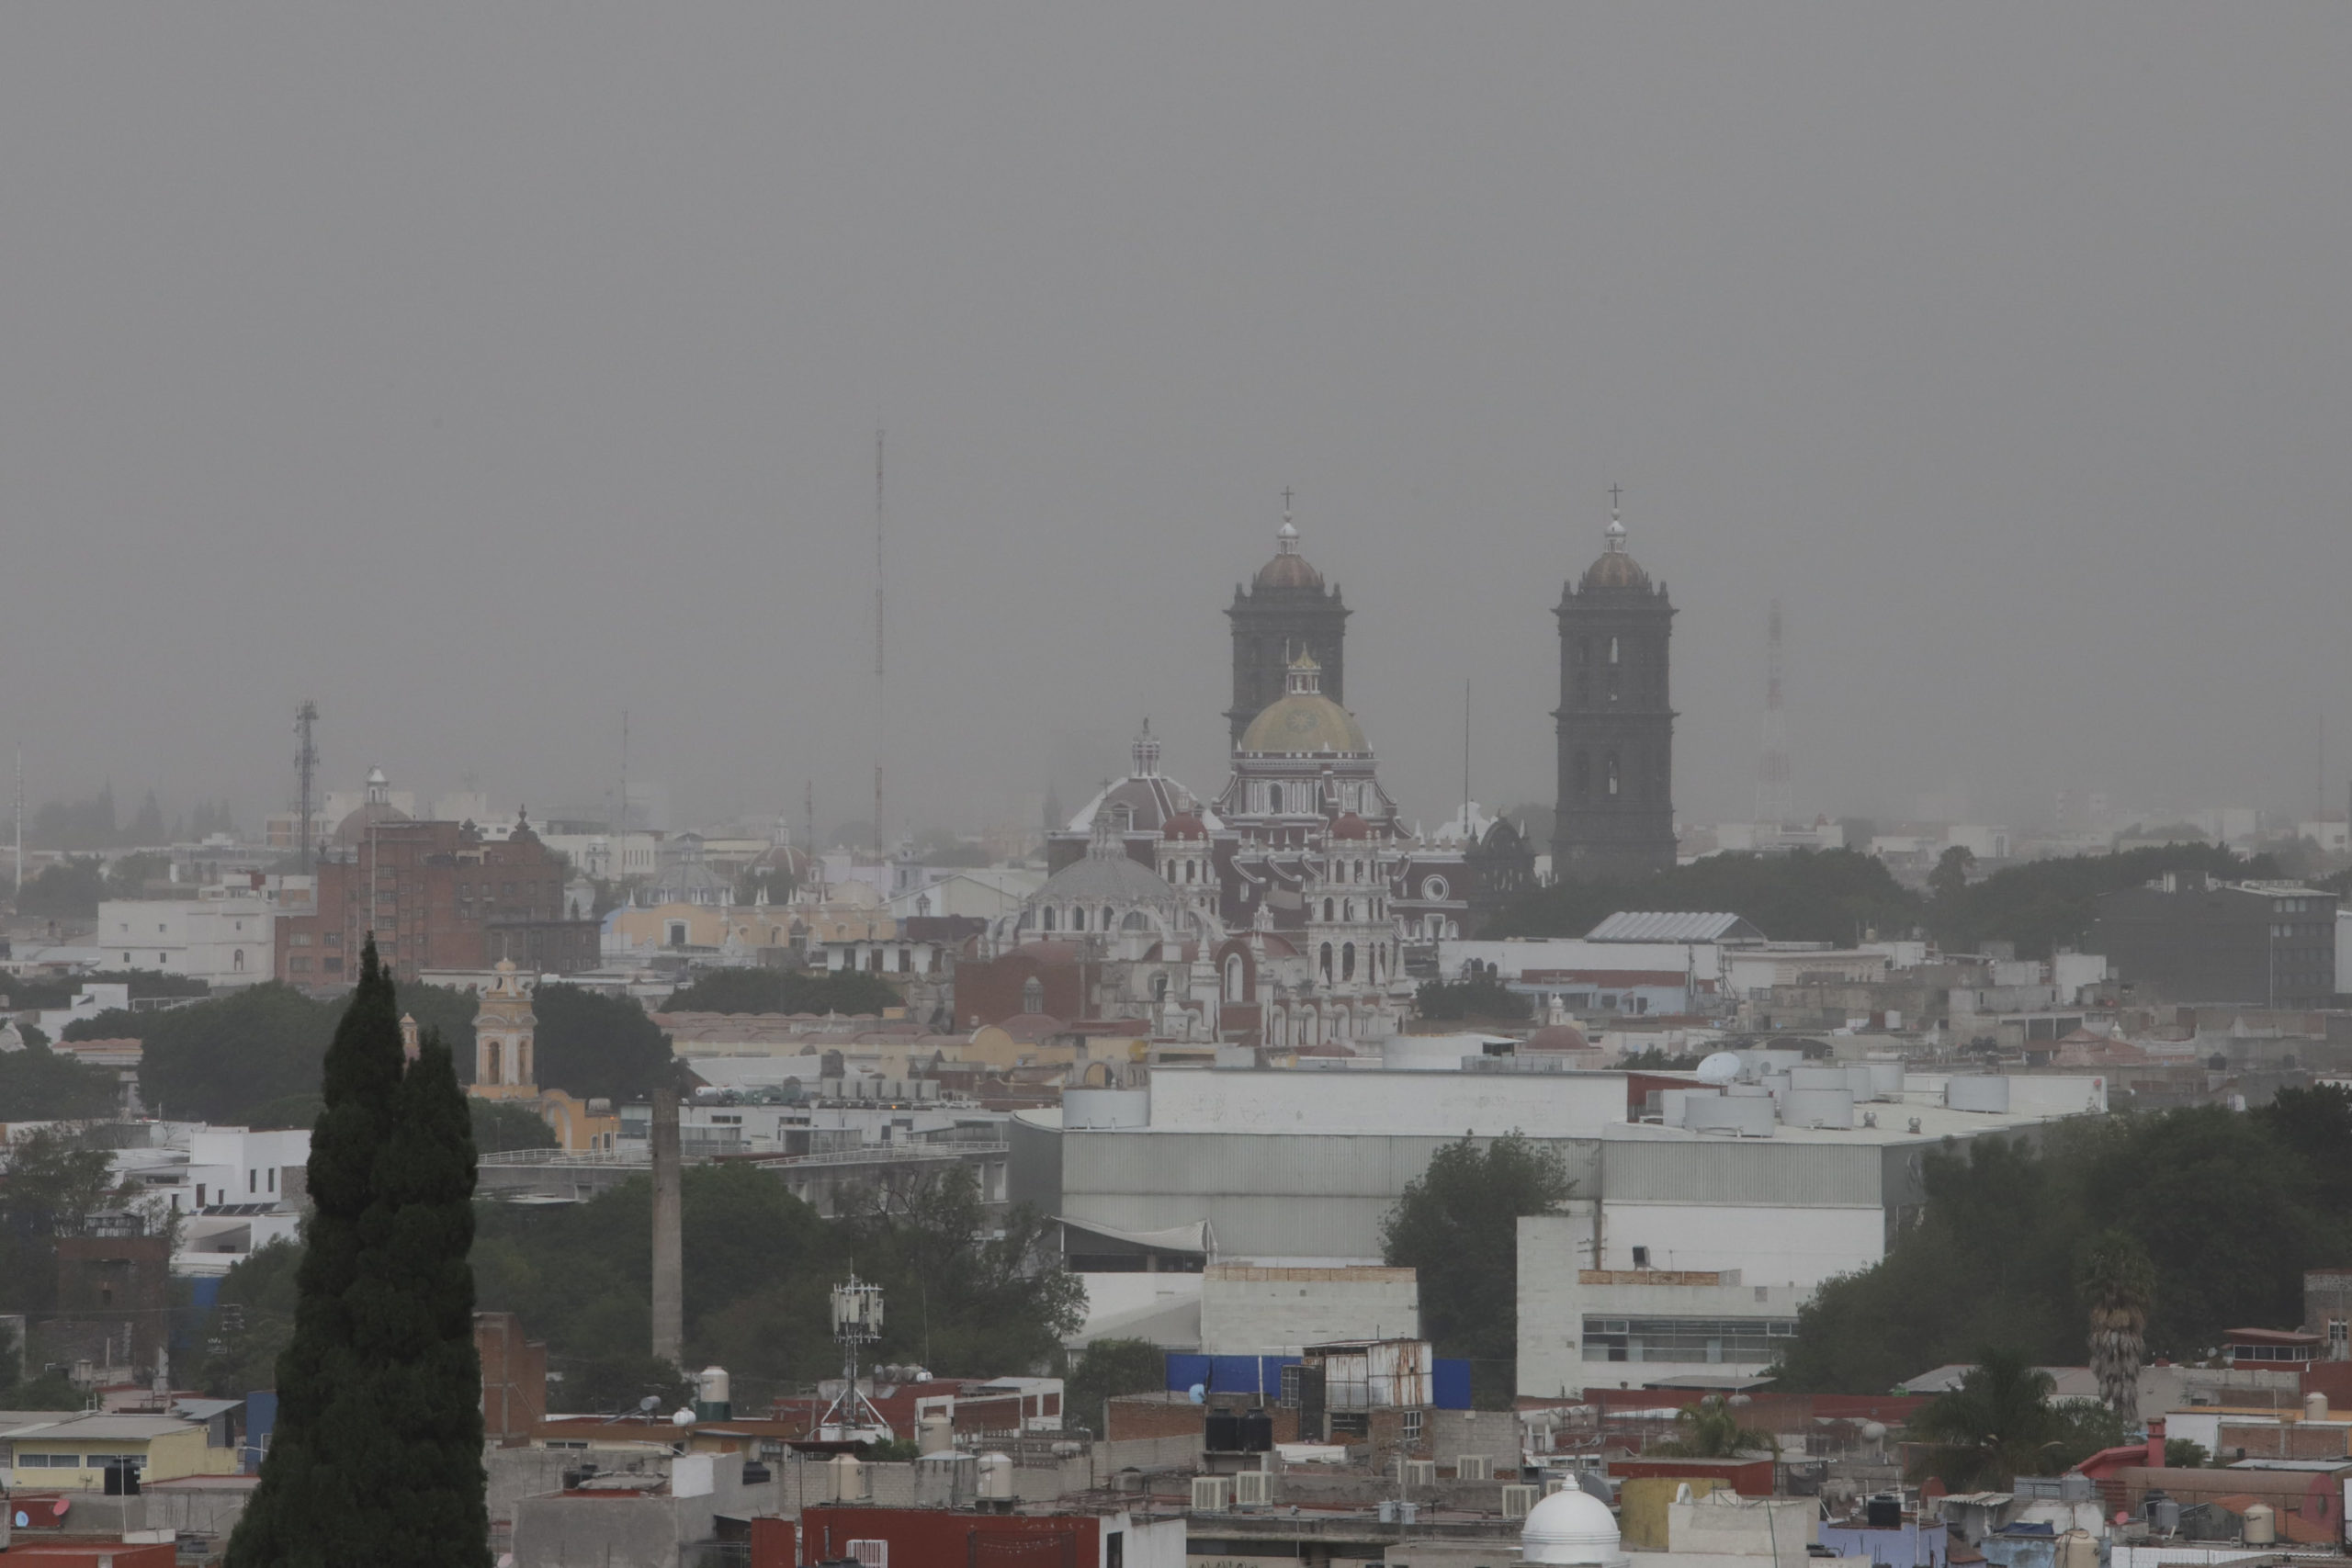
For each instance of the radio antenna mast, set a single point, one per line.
(881, 717)
(306, 769)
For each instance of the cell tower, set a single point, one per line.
(881, 716)
(306, 770)
(1772, 802)
(857, 1323)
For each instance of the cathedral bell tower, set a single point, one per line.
(1283, 615)
(1615, 722)
(504, 1031)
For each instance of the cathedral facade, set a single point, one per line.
(1615, 722)
(1297, 910)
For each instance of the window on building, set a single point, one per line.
(1411, 1426)
(1612, 650)
(1580, 776)
(1347, 961)
(1609, 767)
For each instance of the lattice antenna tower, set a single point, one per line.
(881, 718)
(1772, 802)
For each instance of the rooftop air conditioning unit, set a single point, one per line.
(870, 1553)
(1472, 1466)
(1517, 1501)
(1211, 1494)
(1418, 1472)
(1252, 1489)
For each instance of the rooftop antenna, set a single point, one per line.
(1466, 836)
(306, 769)
(881, 722)
(20, 824)
(620, 811)
(857, 1323)
(1772, 799)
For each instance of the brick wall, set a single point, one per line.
(1137, 1415)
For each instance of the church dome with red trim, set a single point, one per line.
(1350, 825)
(1185, 825)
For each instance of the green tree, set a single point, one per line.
(56, 1181)
(1949, 879)
(1711, 1428)
(1457, 1224)
(378, 1386)
(41, 1085)
(1107, 1368)
(251, 1321)
(500, 1126)
(598, 1046)
(147, 827)
(416, 1334)
(1475, 996)
(69, 890)
(2116, 1283)
(217, 1059)
(1997, 1425)
(129, 876)
(2044, 905)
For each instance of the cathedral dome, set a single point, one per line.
(1288, 569)
(1555, 1037)
(1303, 719)
(377, 808)
(1185, 825)
(1351, 825)
(1615, 569)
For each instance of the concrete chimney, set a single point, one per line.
(2156, 1442)
(669, 1268)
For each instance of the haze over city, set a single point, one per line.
(480, 374)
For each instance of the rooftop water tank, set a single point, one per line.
(1978, 1091)
(1817, 1107)
(996, 1475)
(1747, 1116)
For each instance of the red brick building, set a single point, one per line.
(513, 1379)
(438, 896)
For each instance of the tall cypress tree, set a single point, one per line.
(363, 1465)
(416, 1327)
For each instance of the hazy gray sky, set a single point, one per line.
(478, 372)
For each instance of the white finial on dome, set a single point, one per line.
(1616, 531)
(1286, 537)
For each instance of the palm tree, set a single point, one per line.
(1711, 1429)
(2116, 1283)
(1995, 1426)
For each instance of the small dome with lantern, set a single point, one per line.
(1574, 1527)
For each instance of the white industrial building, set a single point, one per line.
(1776, 1173)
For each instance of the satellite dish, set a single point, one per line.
(1197, 1394)
(1720, 1068)
(685, 1418)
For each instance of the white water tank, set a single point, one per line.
(2315, 1407)
(1886, 1080)
(996, 1474)
(1106, 1108)
(1817, 1107)
(2261, 1525)
(710, 1387)
(935, 1433)
(849, 1479)
(1977, 1091)
(1744, 1116)
(1816, 1078)
(1859, 1083)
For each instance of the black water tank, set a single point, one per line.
(756, 1475)
(1885, 1513)
(1224, 1433)
(1257, 1433)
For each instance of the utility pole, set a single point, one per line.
(306, 767)
(1773, 804)
(20, 824)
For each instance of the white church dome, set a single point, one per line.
(1570, 1526)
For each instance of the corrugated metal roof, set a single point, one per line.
(1670, 925)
